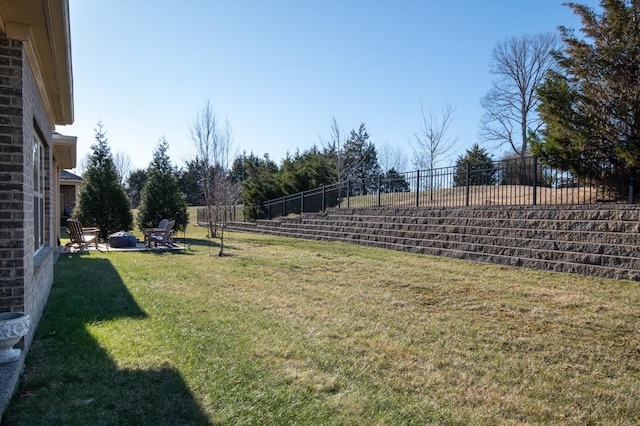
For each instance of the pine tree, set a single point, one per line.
(260, 183)
(482, 171)
(302, 172)
(591, 106)
(361, 161)
(394, 181)
(102, 201)
(190, 181)
(161, 196)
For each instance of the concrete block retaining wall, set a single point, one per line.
(598, 240)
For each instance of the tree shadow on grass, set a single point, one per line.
(70, 379)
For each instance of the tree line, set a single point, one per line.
(257, 178)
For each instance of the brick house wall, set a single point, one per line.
(12, 195)
(36, 93)
(25, 276)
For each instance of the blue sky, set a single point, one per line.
(278, 70)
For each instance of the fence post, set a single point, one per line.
(431, 185)
(418, 188)
(269, 209)
(632, 178)
(284, 206)
(348, 191)
(535, 180)
(302, 202)
(468, 184)
(379, 192)
(324, 195)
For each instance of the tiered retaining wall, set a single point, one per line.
(591, 239)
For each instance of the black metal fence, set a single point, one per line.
(521, 181)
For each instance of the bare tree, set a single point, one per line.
(334, 149)
(433, 143)
(214, 149)
(520, 64)
(391, 157)
(122, 161)
(83, 164)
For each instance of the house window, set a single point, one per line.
(38, 194)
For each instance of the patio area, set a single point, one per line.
(105, 247)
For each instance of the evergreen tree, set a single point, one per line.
(394, 181)
(102, 201)
(290, 179)
(482, 171)
(260, 183)
(591, 106)
(361, 161)
(302, 172)
(190, 181)
(161, 197)
(238, 173)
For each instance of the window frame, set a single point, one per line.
(38, 188)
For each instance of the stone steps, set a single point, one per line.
(433, 230)
(622, 212)
(593, 240)
(470, 235)
(589, 253)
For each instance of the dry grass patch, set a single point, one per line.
(482, 195)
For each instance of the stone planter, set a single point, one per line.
(13, 326)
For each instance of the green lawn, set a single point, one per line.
(287, 331)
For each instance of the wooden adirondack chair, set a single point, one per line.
(148, 232)
(165, 237)
(80, 236)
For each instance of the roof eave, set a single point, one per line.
(58, 17)
(64, 151)
(44, 26)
